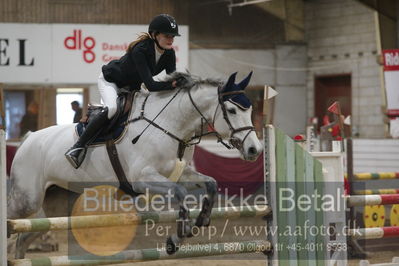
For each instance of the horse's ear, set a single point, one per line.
(244, 83)
(230, 81)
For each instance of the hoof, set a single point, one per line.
(205, 222)
(190, 234)
(202, 220)
(184, 228)
(171, 247)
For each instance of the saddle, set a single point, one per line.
(116, 129)
(112, 134)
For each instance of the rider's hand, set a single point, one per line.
(180, 81)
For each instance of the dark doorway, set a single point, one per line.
(329, 89)
(21, 111)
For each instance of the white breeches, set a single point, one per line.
(108, 92)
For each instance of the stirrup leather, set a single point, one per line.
(76, 156)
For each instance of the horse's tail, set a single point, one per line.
(8, 186)
(12, 186)
(10, 179)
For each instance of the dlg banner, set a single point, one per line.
(68, 53)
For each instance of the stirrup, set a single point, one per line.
(76, 156)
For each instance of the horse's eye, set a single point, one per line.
(232, 111)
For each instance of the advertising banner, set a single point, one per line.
(391, 75)
(68, 53)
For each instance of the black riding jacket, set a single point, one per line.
(138, 66)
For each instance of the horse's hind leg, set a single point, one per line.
(154, 183)
(25, 193)
(25, 198)
(25, 239)
(192, 180)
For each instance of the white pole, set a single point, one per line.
(3, 200)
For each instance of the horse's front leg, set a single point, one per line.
(154, 183)
(192, 180)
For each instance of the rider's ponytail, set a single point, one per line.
(143, 36)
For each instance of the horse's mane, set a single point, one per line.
(192, 80)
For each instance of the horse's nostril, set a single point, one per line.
(252, 151)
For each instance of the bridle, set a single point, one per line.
(183, 144)
(235, 142)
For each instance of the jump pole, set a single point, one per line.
(3, 200)
(376, 191)
(92, 221)
(374, 233)
(196, 250)
(376, 176)
(373, 200)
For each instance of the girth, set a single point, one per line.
(124, 184)
(124, 105)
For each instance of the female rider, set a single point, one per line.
(145, 57)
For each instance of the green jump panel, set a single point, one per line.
(293, 176)
(300, 189)
(281, 185)
(319, 181)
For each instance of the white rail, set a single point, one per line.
(3, 200)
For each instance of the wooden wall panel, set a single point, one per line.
(248, 27)
(46, 98)
(211, 26)
(88, 11)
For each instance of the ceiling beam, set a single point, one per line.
(386, 8)
(291, 12)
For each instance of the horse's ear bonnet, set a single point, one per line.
(240, 100)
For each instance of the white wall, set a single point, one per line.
(291, 106)
(282, 68)
(94, 94)
(336, 32)
(217, 63)
(397, 24)
(373, 156)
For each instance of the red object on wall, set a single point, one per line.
(335, 132)
(232, 174)
(335, 108)
(10, 153)
(347, 186)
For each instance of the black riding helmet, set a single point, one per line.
(165, 24)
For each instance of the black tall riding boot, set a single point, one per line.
(77, 153)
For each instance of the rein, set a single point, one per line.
(183, 144)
